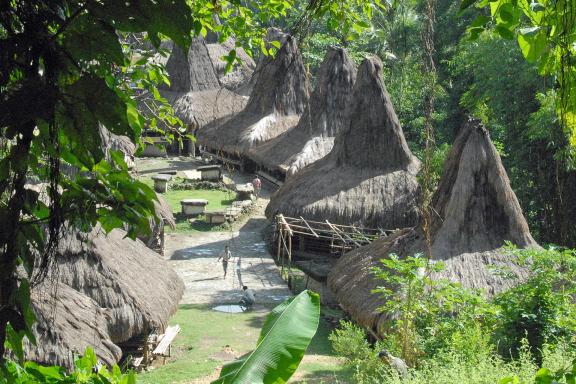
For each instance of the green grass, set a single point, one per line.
(217, 200)
(205, 333)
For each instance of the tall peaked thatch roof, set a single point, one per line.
(196, 93)
(279, 97)
(475, 212)
(193, 71)
(322, 120)
(67, 322)
(369, 177)
(132, 282)
(240, 74)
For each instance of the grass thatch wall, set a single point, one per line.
(369, 177)
(322, 120)
(279, 97)
(475, 212)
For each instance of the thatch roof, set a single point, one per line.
(193, 71)
(67, 322)
(369, 177)
(279, 97)
(164, 211)
(132, 282)
(322, 120)
(196, 109)
(111, 141)
(240, 74)
(195, 92)
(475, 212)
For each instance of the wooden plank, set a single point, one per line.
(222, 158)
(360, 234)
(167, 339)
(137, 361)
(309, 227)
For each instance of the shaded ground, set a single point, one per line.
(209, 338)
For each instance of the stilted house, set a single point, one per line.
(105, 292)
(369, 177)
(322, 120)
(475, 212)
(279, 98)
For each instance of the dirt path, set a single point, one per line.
(194, 259)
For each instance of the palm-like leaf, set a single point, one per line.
(284, 338)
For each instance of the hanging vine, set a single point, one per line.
(429, 98)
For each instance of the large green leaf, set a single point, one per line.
(284, 338)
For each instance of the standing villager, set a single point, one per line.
(226, 255)
(239, 270)
(257, 183)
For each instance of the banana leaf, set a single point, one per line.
(283, 340)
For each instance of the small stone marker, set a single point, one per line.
(217, 217)
(210, 172)
(193, 207)
(245, 191)
(161, 182)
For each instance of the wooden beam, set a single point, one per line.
(309, 227)
(343, 233)
(283, 221)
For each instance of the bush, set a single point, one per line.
(541, 309)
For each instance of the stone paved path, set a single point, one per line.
(194, 257)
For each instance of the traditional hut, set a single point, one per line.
(279, 97)
(195, 91)
(321, 121)
(111, 141)
(475, 212)
(67, 322)
(155, 240)
(104, 290)
(133, 283)
(369, 177)
(239, 76)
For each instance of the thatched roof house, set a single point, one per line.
(195, 91)
(163, 210)
(111, 141)
(369, 177)
(111, 289)
(475, 212)
(240, 74)
(279, 97)
(67, 322)
(322, 120)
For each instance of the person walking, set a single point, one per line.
(257, 184)
(226, 255)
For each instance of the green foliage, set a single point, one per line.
(544, 31)
(283, 340)
(541, 309)
(349, 341)
(425, 312)
(85, 372)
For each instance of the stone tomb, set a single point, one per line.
(161, 182)
(210, 172)
(193, 207)
(245, 191)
